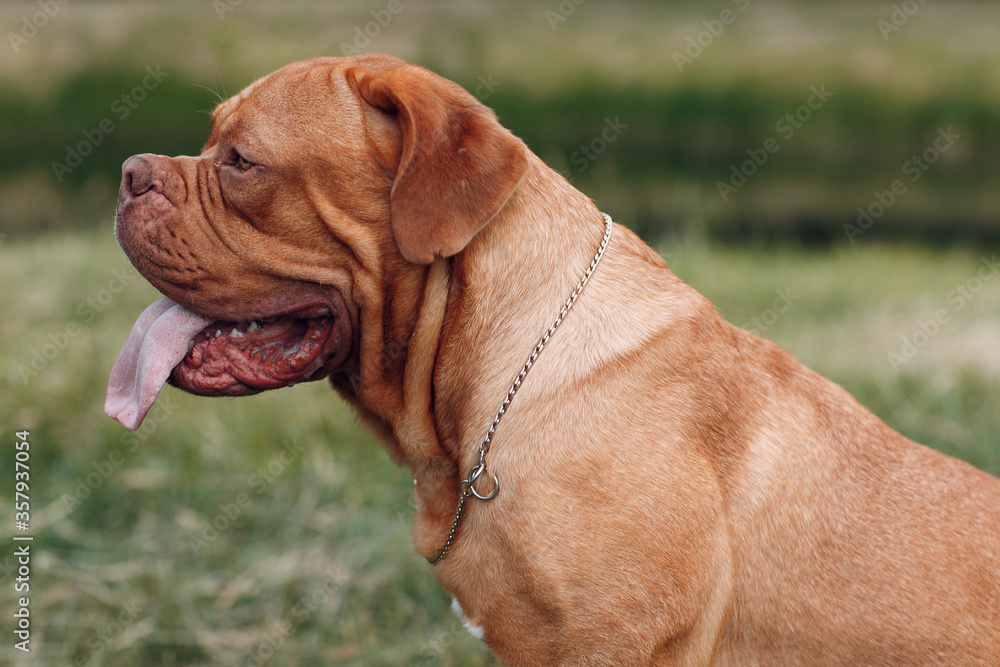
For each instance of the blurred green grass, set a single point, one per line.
(312, 562)
(556, 85)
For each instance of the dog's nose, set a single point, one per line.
(137, 174)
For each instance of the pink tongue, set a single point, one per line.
(157, 343)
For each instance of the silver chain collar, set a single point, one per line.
(467, 488)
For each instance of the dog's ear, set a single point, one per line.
(457, 164)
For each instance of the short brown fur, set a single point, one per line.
(675, 490)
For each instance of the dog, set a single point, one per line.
(663, 488)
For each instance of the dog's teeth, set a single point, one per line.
(190, 345)
(236, 333)
(218, 333)
(254, 327)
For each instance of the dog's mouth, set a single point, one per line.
(241, 358)
(219, 358)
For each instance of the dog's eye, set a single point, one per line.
(243, 164)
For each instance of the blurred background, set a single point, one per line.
(825, 172)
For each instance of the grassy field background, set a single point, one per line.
(309, 560)
(313, 564)
(557, 73)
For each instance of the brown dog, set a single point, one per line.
(672, 489)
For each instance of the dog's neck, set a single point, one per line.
(506, 288)
(479, 314)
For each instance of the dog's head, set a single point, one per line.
(319, 186)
